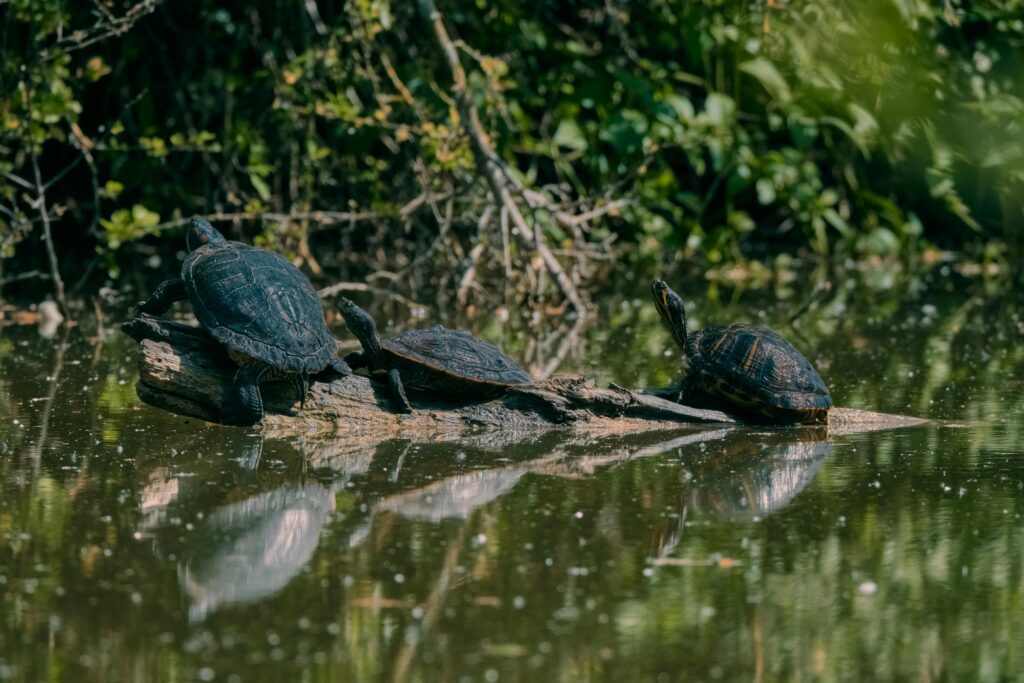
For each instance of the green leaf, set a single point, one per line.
(570, 136)
(769, 78)
(125, 225)
(864, 122)
(836, 221)
(720, 109)
(682, 106)
(112, 188)
(262, 189)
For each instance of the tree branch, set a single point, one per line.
(498, 177)
(324, 219)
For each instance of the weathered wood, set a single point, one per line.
(183, 370)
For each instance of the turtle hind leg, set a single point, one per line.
(395, 380)
(243, 405)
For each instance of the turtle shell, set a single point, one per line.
(756, 369)
(259, 305)
(452, 361)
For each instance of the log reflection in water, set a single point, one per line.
(456, 496)
(249, 550)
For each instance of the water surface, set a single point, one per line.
(137, 545)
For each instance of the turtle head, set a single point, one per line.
(201, 233)
(672, 311)
(361, 324)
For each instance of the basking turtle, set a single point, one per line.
(746, 368)
(450, 362)
(260, 307)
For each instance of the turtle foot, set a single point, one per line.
(335, 369)
(240, 416)
(243, 406)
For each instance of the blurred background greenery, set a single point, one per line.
(725, 132)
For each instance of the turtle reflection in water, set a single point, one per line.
(251, 549)
(260, 307)
(747, 479)
(452, 363)
(744, 369)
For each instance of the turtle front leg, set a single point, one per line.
(395, 380)
(686, 390)
(165, 294)
(302, 385)
(356, 360)
(243, 405)
(336, 369)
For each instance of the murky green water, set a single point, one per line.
(139, 546)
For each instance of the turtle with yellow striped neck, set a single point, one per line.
(744, 369)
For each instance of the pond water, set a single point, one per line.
(137, 545)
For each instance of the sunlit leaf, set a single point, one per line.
(769, 77)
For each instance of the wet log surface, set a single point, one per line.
(182, 369)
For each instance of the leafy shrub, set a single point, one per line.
(738, 129)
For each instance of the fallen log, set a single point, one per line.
(182, 369)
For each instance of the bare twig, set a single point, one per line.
(506, 250)
(338, 288)
(24, 276)
(469, 277)
(820, 293)
(568, 220)
(323, 219)
(85, 145)
(475, 254)
(396, 81)
(18, 180)
(569, 342)
(51, 253)
(314, 16)
(114, 26)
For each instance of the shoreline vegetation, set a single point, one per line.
(406, 148)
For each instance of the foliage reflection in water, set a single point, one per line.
(134, 544)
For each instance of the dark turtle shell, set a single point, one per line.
(259, 305)
(756, 369)
(452, 361)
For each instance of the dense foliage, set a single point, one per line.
(735, 129)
